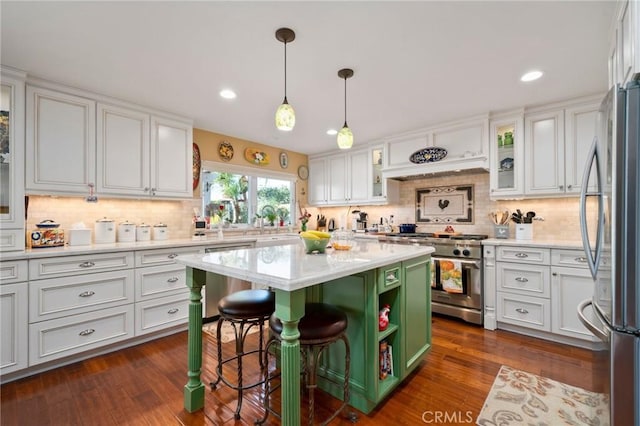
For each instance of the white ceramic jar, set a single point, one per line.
(126, 232)
(105, 231)
(143, 232)
(160, 232)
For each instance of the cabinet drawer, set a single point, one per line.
(531, 312)
(390, 277)
(11, 239)
(530, 280)
(58, 297)
(575, 259)
(79, 265)
(164, 256)
(524, 255)
(57, 338)
(158, 281)
(14, 271)
(157, 314)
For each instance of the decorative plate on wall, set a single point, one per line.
(196, 165)
(225, 150)
(284, 160)
(428, 155)
(303, 172)
(256, 156)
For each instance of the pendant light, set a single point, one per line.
(345, 136)
(285, 116)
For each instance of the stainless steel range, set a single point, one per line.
(456, 275)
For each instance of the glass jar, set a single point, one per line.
(342, 239)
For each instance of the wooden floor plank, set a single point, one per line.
(143, 385)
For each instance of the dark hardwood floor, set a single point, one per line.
(143, 385)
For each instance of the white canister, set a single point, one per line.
(143, 232)
(160, 232)
(126, 232)
(105, 231)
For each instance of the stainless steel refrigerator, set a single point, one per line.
(610, 223)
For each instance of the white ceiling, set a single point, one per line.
(416, 63)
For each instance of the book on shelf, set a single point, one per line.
(386, 360)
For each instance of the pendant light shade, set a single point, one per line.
(345, 135)
(285, 115)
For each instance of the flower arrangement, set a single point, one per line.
(304, 218)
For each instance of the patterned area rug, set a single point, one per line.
(520, 398)
(227, 330)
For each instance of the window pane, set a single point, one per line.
(274, 200)
(225, 195)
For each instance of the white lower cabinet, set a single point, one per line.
(158, 314)
(13, 327)
(61, 337)
(539, 288)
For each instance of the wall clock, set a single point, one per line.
(303, 172)
(196, 165)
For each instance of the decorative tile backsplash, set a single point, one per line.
(561, 215)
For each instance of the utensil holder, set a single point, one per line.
(524, 231)
(501, 231)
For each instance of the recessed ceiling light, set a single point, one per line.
(228, 94)
(531, 75)
(332, 132)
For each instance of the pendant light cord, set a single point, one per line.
(285, 71)
(345, 102)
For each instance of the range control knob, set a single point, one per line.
(456, 252)
(466, 252)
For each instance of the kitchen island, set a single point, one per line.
(361, 280)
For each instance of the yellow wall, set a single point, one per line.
(208, 143)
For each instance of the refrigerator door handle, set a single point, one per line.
(593, 259)
(599, 333)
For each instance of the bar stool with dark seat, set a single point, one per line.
(321, 326)
(244, 310)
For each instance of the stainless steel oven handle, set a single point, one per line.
(477, 264)
(602, 335)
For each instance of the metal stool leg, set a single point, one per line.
(214, 384)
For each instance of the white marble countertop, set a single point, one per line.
(288, 267)
(68, 250)
(538, 242)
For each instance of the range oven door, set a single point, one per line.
(457, 282)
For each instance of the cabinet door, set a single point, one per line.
(416, 325)
(506, 152)
(337, 179)
(122, 151)
(625, 37)
(13, 327)
(569, 287)
(358, 177)
(171, 158)
(580, 123)
(544, 153)
(317, 182)
(12, 157)
(61, 142)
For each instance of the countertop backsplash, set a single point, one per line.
(560, 215)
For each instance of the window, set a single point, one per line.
(238, 195)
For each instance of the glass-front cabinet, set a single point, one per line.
(12, 228)
(377, 189)
(506, 152)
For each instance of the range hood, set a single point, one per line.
(464, 164)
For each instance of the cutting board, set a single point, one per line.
(446, 234)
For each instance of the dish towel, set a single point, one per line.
(451, 276)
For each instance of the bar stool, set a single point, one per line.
(244, 310)
(321, 326)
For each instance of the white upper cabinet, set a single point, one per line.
(557, 143)
(317, 181)
(624, 57)
(544, 153)
(123, 151)
(506, 152)
(382, 190)
(61, 142)
(76, 139)
(171, 158)
(12, 161)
